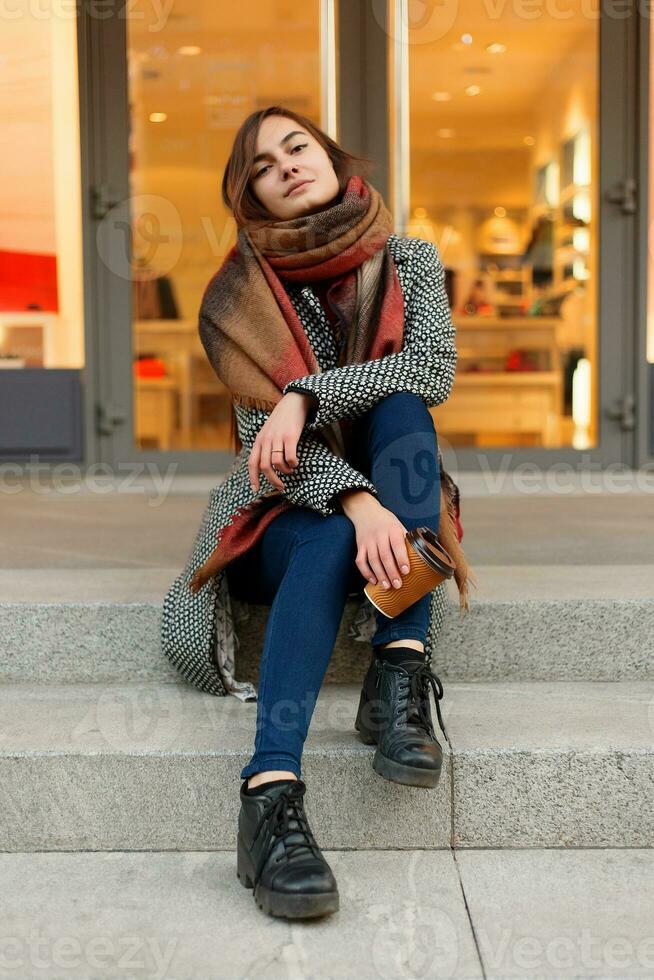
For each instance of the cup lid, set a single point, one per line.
(429, 547)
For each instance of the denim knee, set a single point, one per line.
(334, 536)
(401, 405)
(401, 398)
(404, 458)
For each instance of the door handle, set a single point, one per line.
(624, 412)
(624, 194)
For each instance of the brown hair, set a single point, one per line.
(237, 193)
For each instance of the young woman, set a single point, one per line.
(319, 279)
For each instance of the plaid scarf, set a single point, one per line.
(256, 343)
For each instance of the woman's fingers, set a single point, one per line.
(392, 572)
(398, 543)
(260, 462)
(254, 465)
(290, 452)
(375, 562)
(386, 558)
(267, 465)
(283, 460)
(361, 562)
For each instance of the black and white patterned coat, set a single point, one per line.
(198, 632)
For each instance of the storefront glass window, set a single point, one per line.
(192, 81)
(41, 291)
(503, 178)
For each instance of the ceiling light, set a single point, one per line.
(158, 116)
(473, 90)
(446, 133)
(466, 38)
(496, 48)
(529, 140)
(500, 212)
(189, 49)
(441, 96)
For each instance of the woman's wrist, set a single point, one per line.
(310, 402)
(357, 500)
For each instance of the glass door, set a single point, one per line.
(519, 165)
(171, 86)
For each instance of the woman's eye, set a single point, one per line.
(300, 146)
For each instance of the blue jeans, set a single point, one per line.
(303, 566)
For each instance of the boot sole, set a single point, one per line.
(408, 775)
(395, 771)
(307, 906)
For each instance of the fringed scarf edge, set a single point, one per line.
(450, 534)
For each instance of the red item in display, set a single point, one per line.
(28, 281)
(149, 367)
(519, 360)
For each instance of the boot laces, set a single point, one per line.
(414, 687)
(288, 806)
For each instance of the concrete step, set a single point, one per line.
(156, 766)
(537, 913)
(525, 622)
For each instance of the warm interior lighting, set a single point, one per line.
(473, 90)
(581, 239)
(496, 48)
(189, 49)
(500, 212)
(441, 96)
(581, 403)
(552, 184)
(421, 226)
(579, 269)
(157, 117)
(581, 206)
(445, 133)
(529, 140)
(581, 164)
(466, 38)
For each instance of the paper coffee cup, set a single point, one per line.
(429, 565)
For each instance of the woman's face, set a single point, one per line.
(287, 155)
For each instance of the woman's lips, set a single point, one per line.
(299, 187)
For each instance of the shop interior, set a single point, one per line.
(501, 179)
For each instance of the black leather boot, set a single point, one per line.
(395, 714)
(277, 855)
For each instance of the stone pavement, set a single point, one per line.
(532, 858)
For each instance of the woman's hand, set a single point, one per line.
(381, 545)
(281, 430)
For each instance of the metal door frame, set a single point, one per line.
(644, 448)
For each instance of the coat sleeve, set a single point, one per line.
(426, 365)
(320, 474)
